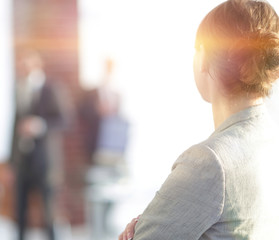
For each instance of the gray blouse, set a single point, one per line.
(223, 188)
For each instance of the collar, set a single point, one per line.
(242, 115)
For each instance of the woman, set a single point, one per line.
(225, 187)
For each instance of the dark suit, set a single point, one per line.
(30, 157)
(95, 108)
(90, 119)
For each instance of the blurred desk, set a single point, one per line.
(105, 189)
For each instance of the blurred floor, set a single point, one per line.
(120, 215)
(129, 200)
(8, 231)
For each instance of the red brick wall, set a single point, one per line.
(50, 26)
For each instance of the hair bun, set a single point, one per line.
(258, 60)
(241, 42)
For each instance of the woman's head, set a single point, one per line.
(240, 39)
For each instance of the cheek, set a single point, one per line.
(196, 69)
(203, 89)
(200, 80)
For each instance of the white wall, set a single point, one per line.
(6, 78)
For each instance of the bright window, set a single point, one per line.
(152, 43)
(6, 78)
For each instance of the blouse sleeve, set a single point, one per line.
(189, 202)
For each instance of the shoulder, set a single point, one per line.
(197, 181)
(216, 154)
(198, 168)
(199, 156)
(192, 196)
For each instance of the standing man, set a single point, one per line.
(37, 113)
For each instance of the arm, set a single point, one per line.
(189, 202)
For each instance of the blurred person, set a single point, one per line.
(97, 104)
(105, 131)
(224, 187)
(38, 112)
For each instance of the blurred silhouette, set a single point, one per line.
(105, 129)
(38, 112)
(105, 140)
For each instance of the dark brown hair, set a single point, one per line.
(241, 42)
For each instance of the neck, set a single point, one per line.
(223, 107)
